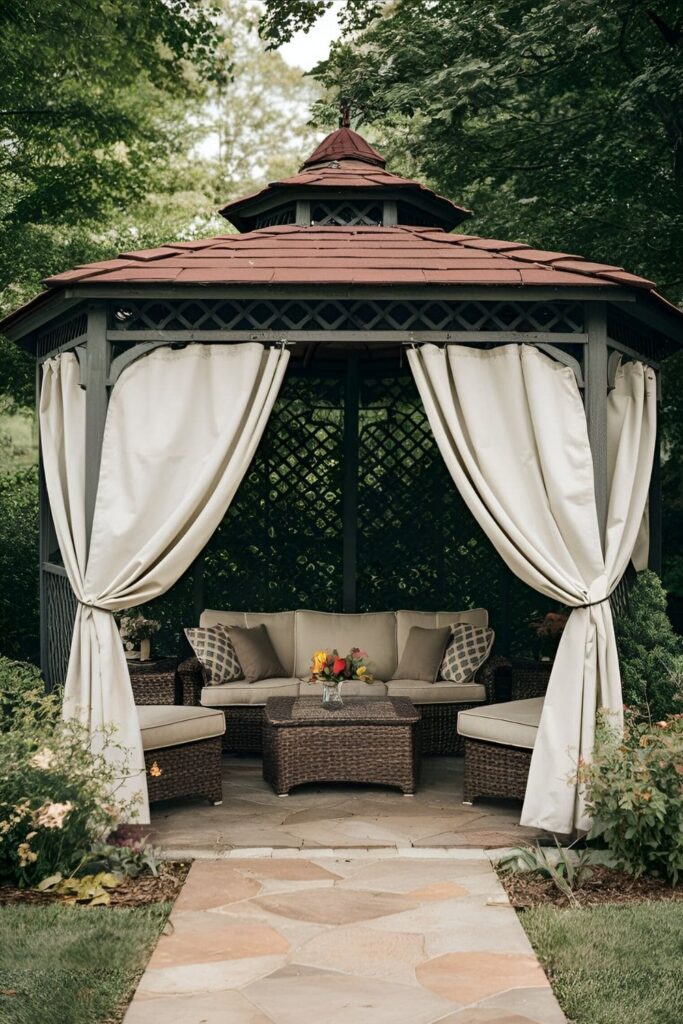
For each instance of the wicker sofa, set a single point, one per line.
(296, 634)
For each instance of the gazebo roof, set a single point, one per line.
(289, 245)
(290, 254)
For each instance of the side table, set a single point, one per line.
(154, 681)
(529, 678)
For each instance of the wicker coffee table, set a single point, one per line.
(366, 741)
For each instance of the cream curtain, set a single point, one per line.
(511, 427)
(182, 427)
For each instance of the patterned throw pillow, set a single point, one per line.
(466, 651)
(214, 649)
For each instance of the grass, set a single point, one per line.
(18, 438)
(613, 964)
(62, 964)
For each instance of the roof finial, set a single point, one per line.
(345, 111)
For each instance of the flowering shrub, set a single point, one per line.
(634, 790)
(55, 800)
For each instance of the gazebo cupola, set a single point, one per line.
(344, 182)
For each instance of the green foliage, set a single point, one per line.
(57, 798)
(634, 794)
(567, 871)
(24, 704)
(612, 964)
(131, 858)
(19, 564)
(73, 965)
(90, 889)
(650, 653)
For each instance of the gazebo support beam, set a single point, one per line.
(96, 400)
(350, 492)
(595, 375)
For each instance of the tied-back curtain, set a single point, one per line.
(182, 427)
(511, 427)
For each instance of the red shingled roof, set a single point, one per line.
(345, 144)
(351, 174)
(349, 255)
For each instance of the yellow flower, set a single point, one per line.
(319, 661)
(26, 855)
(155, 771)
(360, 671)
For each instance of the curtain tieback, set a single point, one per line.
(92, 604)
(591, 604)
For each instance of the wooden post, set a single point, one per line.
(350, 482)
(96, 399)
(43, 547)
(595, 375)
(303, 213)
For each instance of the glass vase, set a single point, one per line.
(332, 698)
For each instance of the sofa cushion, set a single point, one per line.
(243, 693)
(423, 653)
(467, 649)
(515, 724)
(280, 626)
(214, 649)
(350, 688)
(430, 620)
(374, 632)
(167, 725)
(256, 653)
(440, 692)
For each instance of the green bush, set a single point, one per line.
(650, 652)
(19, 564)
(23, 700)
(634, 793)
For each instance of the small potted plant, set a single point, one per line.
(332, 669)
(136, 633)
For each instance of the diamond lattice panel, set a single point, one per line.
(280, 544)
(61, 614)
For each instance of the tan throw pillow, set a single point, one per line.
(256, 653)
(467, 650)
(214, 650)
(423, 653)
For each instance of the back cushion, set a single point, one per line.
(280, 626)
(430, 620)
(374, 632)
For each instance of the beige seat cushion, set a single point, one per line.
(243, 693)
(374, 632)
(280, 626)
(430, 620)
(515, 724)
(439, 692)
(351, 688)
(166, 725)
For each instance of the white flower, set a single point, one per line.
(52, 815)
(44, 759)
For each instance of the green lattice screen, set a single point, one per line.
(281, 543)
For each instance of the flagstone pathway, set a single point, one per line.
(344, 937)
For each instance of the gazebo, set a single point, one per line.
(346, 280)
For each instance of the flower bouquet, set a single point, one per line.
(331, 669)
(137, 632)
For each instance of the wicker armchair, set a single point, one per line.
(244, 723)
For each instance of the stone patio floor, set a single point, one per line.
(332, 816)
(393, 936)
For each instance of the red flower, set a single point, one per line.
(339, 666)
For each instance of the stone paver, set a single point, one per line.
(338, 817)
(341, 938)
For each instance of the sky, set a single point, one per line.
(306, 49)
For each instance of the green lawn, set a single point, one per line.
(612, 964)
(73, 965)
